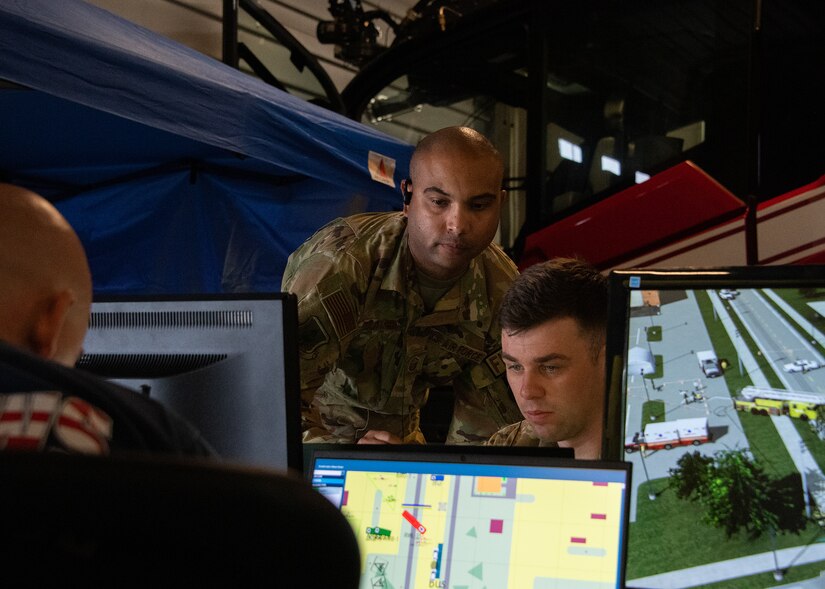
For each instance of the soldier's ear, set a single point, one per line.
(406, 191)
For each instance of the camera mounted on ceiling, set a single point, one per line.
(352, 31)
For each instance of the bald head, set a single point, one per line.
(460, 142)
(45, 283)
(452, 201)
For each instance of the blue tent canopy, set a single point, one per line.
(179, 173)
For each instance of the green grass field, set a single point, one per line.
(669, 535)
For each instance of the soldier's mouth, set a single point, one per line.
(538, 416)
(454, 246)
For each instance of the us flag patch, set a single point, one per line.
(341, 312)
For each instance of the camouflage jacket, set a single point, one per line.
(370, 352)
(518, 434)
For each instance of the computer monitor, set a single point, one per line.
(709, 368)
(226, 363)
(476, 516)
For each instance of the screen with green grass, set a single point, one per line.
(720, 405)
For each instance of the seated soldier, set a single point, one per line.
(553, 330)
(45, 298)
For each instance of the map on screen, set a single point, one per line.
(462, 526)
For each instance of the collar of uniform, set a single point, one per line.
(466, 301)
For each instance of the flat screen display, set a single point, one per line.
(475, 518)
(716, 394)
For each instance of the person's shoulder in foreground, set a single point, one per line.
(554, 325)
(45, 298)
(46, 406)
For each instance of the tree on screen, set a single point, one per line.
(737, 494)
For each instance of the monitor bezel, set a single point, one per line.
(470, 454)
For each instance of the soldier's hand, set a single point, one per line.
(375, 436)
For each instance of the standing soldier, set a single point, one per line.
(392, 304)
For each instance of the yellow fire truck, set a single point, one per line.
(766, 401)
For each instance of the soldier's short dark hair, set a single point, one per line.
(555, 289)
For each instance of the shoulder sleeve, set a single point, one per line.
(504, 437)
(483, 404)
(328, 281)
(517, 434)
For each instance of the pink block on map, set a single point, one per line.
(496, 526)
(575, 540)
(598, 516)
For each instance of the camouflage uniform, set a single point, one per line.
(518, 434)
(369, 350)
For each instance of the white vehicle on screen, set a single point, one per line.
(709, 363)
(669, 434)
(728, 294)
(801, 366)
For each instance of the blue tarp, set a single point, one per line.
(179, 173)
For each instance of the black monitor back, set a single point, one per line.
(226, 363)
